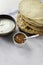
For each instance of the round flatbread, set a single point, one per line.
(35, 22)
(24, 26)
(31, 9)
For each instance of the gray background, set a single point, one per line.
(31, 54)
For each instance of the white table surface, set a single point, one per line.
(32, 54)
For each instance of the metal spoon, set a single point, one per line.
(34, 36)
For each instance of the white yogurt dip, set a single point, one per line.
(6, 26)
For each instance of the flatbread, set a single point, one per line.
(32, 9)
(26, 27)
(35, 22)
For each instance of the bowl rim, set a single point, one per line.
(17, 44)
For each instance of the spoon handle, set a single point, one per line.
(32, 36)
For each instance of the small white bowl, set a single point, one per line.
(19, 44)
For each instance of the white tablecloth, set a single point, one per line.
(31, 54)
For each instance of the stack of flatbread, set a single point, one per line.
(30, 16)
